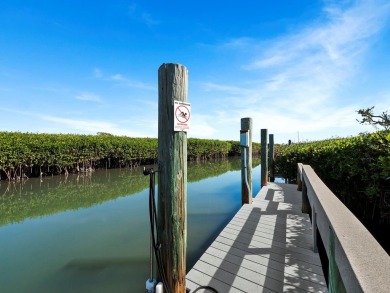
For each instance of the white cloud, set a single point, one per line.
(200, 127)
(131, 83)
(148, 19)
(137, 14)
(90, 97)
(123, 80)
(117, 76)
(339, 40)
(97, 73)
(91, 126)
(231, 90)
(238, 43)
(57, 124)
(152, 105)
(298, 79)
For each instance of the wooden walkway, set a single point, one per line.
(266, 247)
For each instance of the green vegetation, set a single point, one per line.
(375, 120)
(30, 154)
(356, 169)
(207, 148)
(35, 197)
(235, 148)
(51, 195)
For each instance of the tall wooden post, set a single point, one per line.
(271, 158)
(172, 176)
(264, 157)
(246, 195)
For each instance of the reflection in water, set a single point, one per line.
(90, 233)
(49, 195)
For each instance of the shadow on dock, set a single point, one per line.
(266, 247)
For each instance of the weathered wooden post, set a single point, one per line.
(264, 157)
(172, 176)
(246, 163)
(271, 158)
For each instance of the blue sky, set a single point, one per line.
(295, 67)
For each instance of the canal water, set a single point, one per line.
(90, 233)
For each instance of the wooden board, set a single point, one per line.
(266, 247)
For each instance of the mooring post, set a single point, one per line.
(172, 176)
(264, 157)
(271, 158)
(246, 163)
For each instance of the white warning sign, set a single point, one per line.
(182, 114)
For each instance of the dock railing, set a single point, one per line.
(357, 262)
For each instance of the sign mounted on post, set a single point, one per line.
(182, 116)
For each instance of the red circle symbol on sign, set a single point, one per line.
(182, 114)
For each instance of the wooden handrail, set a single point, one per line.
(357, 262)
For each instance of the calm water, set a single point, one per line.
(91, 233)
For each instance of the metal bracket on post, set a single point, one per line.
(244, 144)
(246, 160)
(244, 138)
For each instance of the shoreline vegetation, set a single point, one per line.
(24, 155)
(51, 195)
(356, 169)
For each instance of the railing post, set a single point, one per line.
(299, 176)
(172, 176)
(306, 208)
(246, 163)
(264, 157)
(271, 158)
(314, 229)
(336, 284)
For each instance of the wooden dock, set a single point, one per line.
(266, 247)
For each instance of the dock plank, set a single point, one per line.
(266, 247)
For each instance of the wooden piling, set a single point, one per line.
(264, 157)
(172, 176)
(246, 195)
(271, 158)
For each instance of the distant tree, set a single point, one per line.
(105, 133)
(368, 117)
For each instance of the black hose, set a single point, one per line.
(153, 227)
(155, 234)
